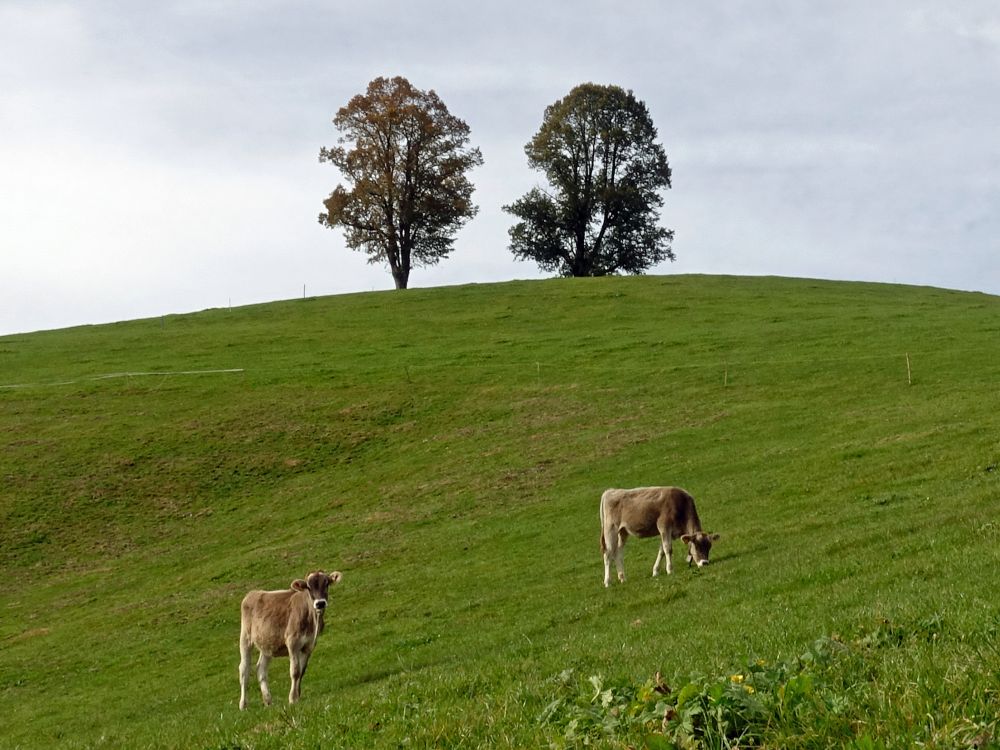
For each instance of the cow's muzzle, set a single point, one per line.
(320, 604)
(702, 563)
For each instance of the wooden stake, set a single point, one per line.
(909, 379)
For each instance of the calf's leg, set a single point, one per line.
(620, 555)
(265, 691)
(609, 542)
(663, 554)
(656, 563)
(246, 648)
(297, 670)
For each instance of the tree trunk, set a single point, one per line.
(581, 265)
(399, 261)
(401, 276)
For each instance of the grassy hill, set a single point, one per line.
(446, 449)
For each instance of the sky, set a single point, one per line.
(158, 158)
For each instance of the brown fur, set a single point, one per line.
(644, 511)
(273, 618)
(283, 623)
(667, 512)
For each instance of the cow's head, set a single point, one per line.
(317, 585)
(699, 545)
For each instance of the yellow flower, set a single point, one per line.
(749, 689)
(737, 678)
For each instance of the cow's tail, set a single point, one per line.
(604, 544)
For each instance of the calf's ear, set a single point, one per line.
(299, 585)
(714, 537)
(687, 538)
(336, 576)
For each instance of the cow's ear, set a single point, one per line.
(687, 538)
(714, 537)
(299, 585)
(336, 576)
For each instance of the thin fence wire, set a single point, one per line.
(727, 366)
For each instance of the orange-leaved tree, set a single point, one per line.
(405, 158)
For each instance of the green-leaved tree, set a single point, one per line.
(597, 148)
(405, 159)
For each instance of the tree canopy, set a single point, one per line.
(405, 159)
(597, 148)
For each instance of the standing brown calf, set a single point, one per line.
(667, 512)
(282, 623)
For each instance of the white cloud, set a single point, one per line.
(977, 24)
(162, 157)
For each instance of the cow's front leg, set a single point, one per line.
(659, 556)
(262, 664)
(665, 549)
(296, 670)
(296, 675)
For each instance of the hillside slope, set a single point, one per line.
(446, 450)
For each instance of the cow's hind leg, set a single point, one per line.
(246, 648)
(608, 546)
(620, 555)
(265, 691)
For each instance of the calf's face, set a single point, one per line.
(317, 585)
(699, 545)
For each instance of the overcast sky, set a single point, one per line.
(163, 157)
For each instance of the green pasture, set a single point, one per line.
(446, 450)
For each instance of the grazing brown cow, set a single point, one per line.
(282, 623)
(667, 512)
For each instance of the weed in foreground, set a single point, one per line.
(836, 693)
